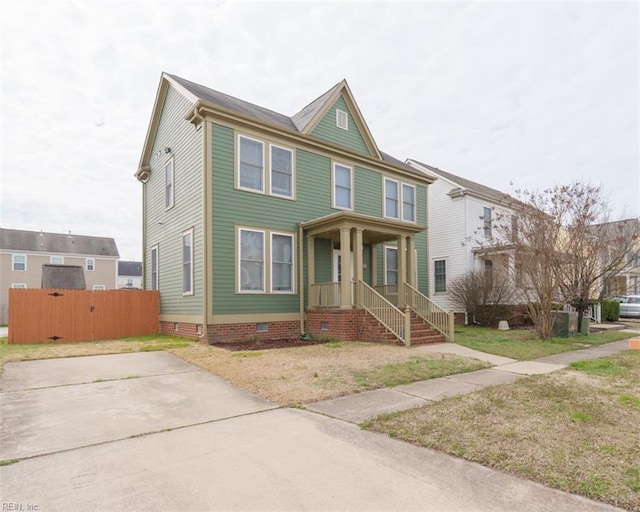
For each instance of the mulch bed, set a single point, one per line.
(266, 344)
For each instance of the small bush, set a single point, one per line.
(610, 310)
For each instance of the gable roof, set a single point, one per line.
(130, 268)
(301, 123)
(56, 243)
(464, 185)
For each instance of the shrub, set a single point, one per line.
(610, 310)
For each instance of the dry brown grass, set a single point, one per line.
(303, 374)
(577, 431)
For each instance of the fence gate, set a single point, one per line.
(46, 316)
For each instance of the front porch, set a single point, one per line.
(374, 277)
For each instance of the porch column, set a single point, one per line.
(374, 265)
(358, 263)
(311, 269)
(402, 269)
(411, 261)
(345, 258)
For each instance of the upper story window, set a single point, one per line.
(342, 119)
(391, 198)
(408, 202)
(56, 260)
(281, 171)
(399, 200)
(168, 184)
(342, 187)
(154, 268)
(486, 222)
(250, 164)
(91, 264)
(187, 262)
(19, 262)
(440, 276)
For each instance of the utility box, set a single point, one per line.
(565, 324)
(586, 324)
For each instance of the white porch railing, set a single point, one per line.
(433, 314)
(324, 295)
(385, 312)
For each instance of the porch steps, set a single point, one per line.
(370, 329)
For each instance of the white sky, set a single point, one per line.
(531, 93)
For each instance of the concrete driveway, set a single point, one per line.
(151, 432)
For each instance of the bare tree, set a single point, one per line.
(558, 238)
(480, 293)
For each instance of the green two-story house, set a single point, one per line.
(257, 224)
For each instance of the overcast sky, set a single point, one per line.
(530, 93)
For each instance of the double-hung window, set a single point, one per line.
(408, 203)
(486, 222)
(391, 265)
(342, 187)
(251, 164)
(251, 261)
(91, 264)
(168, 184)
(281, 171)
(154, 268)
(391, 199)
(18, 262)
(440, 276)
(281, 262)
(187, 262)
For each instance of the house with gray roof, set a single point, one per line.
(462, 217)
(130, 274)
(24, 253)
(260, 224)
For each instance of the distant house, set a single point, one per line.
(624, 280)
(261, 224)
(129, 274)
(462, 216)
(23, 254)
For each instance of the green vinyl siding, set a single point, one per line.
(164, 227)
(367, 192)
(327, 129)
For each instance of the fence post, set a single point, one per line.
(407, 327)
(451, 326)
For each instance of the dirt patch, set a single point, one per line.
(266, 344)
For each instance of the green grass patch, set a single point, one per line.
(523, 344)
(8, 462)
(413, 370)
(630, 401)
(600, 367)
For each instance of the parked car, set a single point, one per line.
(630, 306)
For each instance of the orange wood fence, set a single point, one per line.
(48, 316)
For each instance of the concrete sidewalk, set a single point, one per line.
(364, 406)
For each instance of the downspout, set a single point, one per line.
(301, 277)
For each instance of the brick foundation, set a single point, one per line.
(228, 333)
(341, 324)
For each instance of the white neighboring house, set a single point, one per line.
(462, 216)
(130, 274)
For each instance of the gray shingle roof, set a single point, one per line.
(67, 277)
(34, 241)
(130, 268)
(469, 185)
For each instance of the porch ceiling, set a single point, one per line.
(374, 229)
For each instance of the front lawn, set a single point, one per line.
(577, 429)
(523, 344)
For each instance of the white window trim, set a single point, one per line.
(333, 187)
(191, 290)
(155, 248)
(93, 264)
(394, 248)
(13, 262)
(238, 162)
(172, 196)
(293, 172)
(384, 200)
(415, 202)
(99, 287)
(446, 276)
(52, 257)
(346, 119)
(265, 266)
(293, 263)
(19, 285)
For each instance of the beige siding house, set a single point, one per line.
(23, 253)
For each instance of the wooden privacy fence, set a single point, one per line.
(47, 316)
